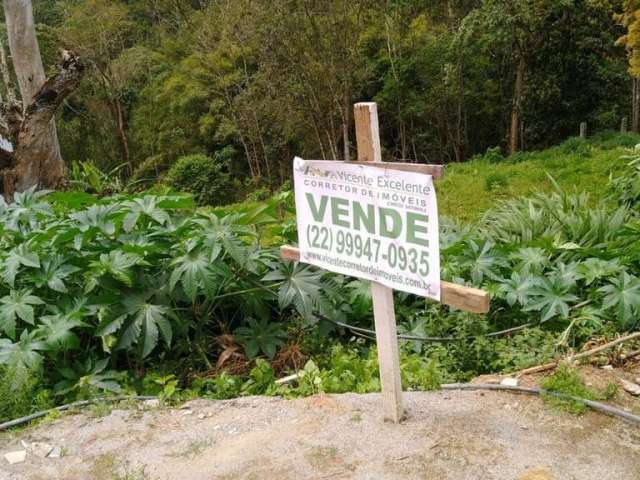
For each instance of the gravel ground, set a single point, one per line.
(448, 435)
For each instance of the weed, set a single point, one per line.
(609, 392)
(495, 182)
(99, 409)
(567, 381)
(194, 448)
(125, 471)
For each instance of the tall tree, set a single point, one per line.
(521, 27)
(630, 19)
(37, 160)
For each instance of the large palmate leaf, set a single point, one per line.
(530, 259)
(140, 323)
(18, 304)
(17, 257)
(98, 217)
(57, 331)
(300, 286)
(552, 298)
(54, 272)
(593, 269)
(27, 208)
(116, 263)
(88, 376)
(23, 355)
(145, 206)
(191, 270)
(483, 261)
(518, 288)
(261, 336)
(226, 235)
(623, 295)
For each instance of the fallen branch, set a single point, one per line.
(630, 355)
(588, 353)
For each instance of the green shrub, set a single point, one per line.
(88, 294)
(21, 393)
(493, 155)
(576, 146)
(495, 182)
(207, 178)
(610, 139)
(566, 380)
(150, 169)
(259, 195)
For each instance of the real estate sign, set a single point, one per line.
(370, 222)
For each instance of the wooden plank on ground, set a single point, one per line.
(461, 297)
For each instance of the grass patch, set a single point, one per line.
(469, 189)
(567, 380)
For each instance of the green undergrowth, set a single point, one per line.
(567, 381)
(152, 295)
(471, 188)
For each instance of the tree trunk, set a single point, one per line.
(122, 135)
(635, 105)
(516, 106)
(38, 162)
(32, 145)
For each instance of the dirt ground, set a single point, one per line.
(448, 435)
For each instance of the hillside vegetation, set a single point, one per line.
(232, 90)
(154, 266)
(146, 293)
(471, 188)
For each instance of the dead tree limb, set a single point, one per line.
(588, 353)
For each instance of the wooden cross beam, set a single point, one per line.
(458, 296)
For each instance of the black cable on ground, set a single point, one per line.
(367, 333)
(598, 406)
(370, 334)
(69, 406)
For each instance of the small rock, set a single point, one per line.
(40, 449)
(55, 453)
(630, 387)
(637, 380)
(152, 403)
(187, 412)
(607, 367)
(210, 414)
(15, 457)
(201, 416)
(509, 382)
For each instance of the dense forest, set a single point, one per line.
(251, 83)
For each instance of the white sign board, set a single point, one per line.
(369, 222)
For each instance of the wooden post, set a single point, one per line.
(583, 129)
(623, 125)
(368, 141)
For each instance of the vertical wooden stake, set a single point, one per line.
(623, 125)
(368, 140)
(583, 130)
